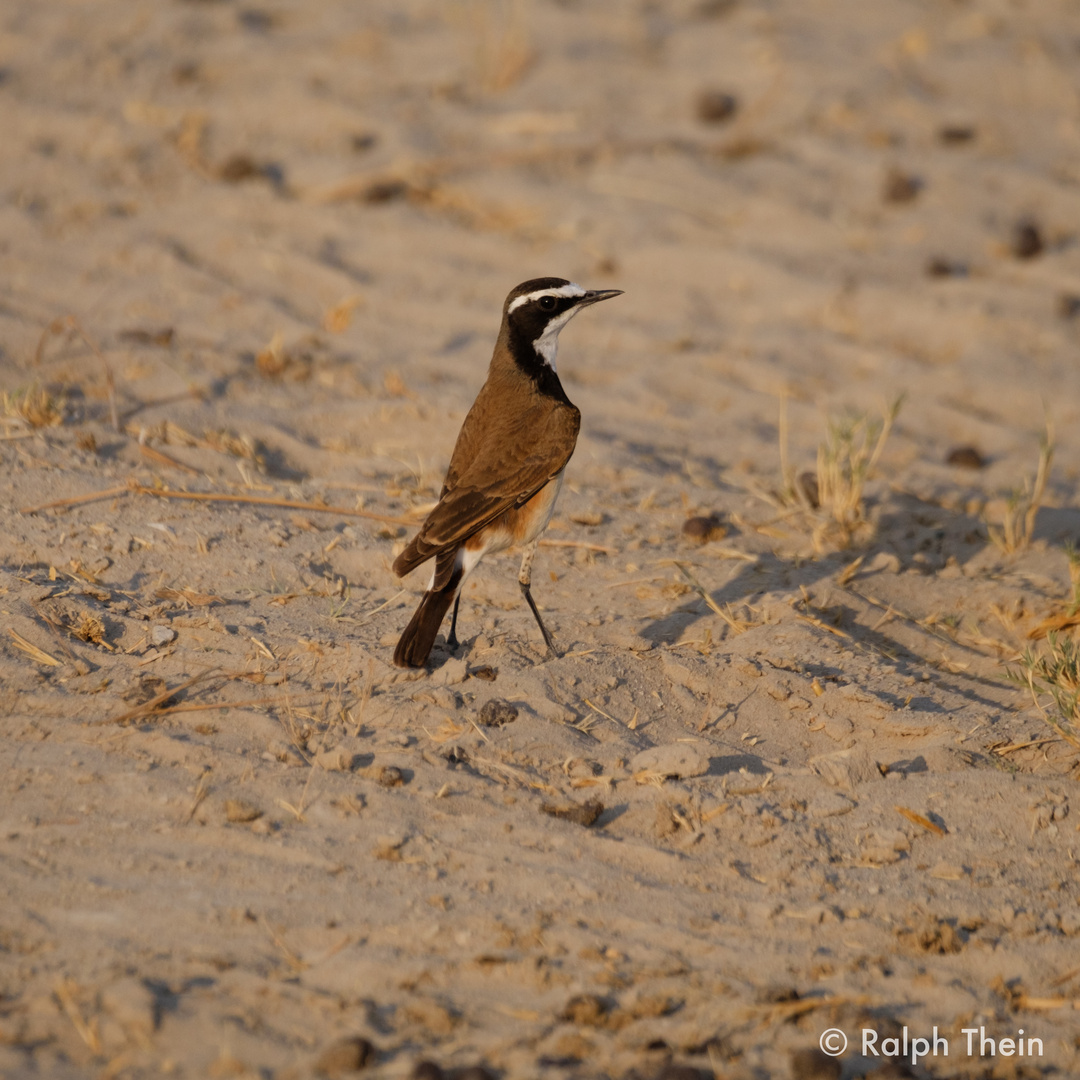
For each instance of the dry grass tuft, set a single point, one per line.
(338, 318)
(35, 406)
(238, 446)
(1018, 527)
(502, 53)
(86, 626)
(832, 497)
(1069, 616)
(273, 361)
(845, 461)
(1054, 672)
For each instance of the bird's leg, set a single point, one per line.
(452, 641)
(525, 580)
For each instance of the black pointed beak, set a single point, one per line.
(594, 296)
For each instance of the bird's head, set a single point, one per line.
(537, 310)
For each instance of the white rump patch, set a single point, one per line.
(564, 291)
(465, 561)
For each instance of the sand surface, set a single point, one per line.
(259, 250)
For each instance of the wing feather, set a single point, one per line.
(497, 465)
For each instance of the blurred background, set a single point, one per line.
(834, 200)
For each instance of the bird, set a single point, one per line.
(507, 466)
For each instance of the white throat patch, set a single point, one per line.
(547, 344)
(570, 289)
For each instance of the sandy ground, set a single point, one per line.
(259, 250)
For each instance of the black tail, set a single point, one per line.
(415, 644)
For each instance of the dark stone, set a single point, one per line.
(956, 134)
(965, 457)
(496, 713)
(702, 529)
(1027, 241)
(346, 1056)
(427, 1070)
(716, 106)
(900, 187)
(579, 813)
(814, 1064)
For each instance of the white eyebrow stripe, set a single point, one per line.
(570, 289)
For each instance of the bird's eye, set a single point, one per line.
(547, 303)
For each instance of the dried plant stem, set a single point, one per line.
(365, 697)
(1018, 527)
(165, 459)
(266, 500)
(202, 789)
(76, 500)
(578, 544)
(151, 706)
(134, 488)
(87, 1031)
(32, 650)
(71, 325)
(789, 491)
(736, 626)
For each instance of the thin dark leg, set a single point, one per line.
(452, 641)
(525, 580)
(525, 591)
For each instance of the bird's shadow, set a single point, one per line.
(921, 535)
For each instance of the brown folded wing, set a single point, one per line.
(501, 460)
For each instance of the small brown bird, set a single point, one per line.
(507, 465)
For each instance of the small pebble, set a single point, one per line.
(162, 338)
(579, 813)
(145, 687)
(1027, 241)
(257, 21)
(345, 1056)
(671, 759)
(671, 1071)
(715, 9)
(939, 266)
(162, 635)
(956, 134)
(474, 1072)
(965, 457)
(497, 712)
(900, 187)
(716, 106)
(585, 1009)
(591, 518)
(238, 168)
(383, 191)
(427, 1070)
(238, 811)
(390, 776)
(1068, 305)
(814, 1064)
(701, 530)
(892, 1070)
